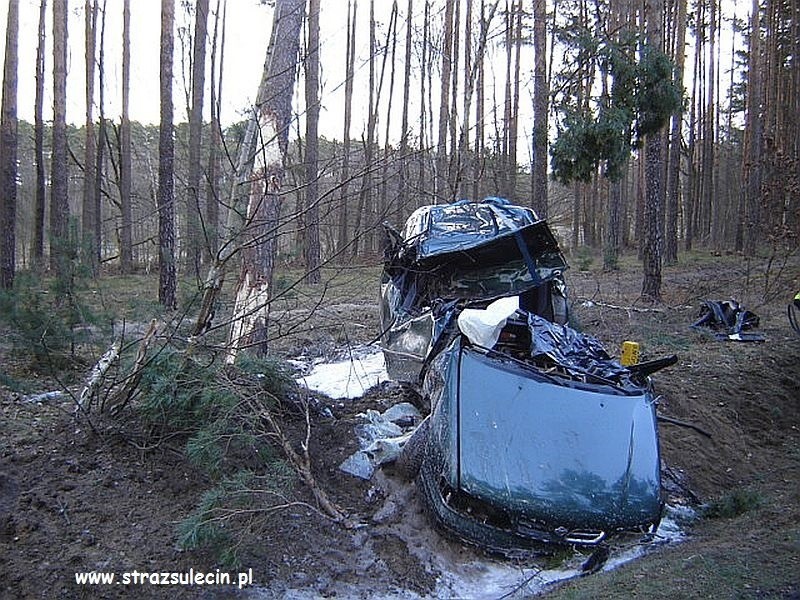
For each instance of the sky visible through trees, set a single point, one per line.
(442, 106)
(248, 26)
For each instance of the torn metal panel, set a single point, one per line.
(458, 255)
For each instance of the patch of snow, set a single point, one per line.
(348, 378)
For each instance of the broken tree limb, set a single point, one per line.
(97, 374)
(273, 113)
(123, 395)
(301, 461)
(593, 303)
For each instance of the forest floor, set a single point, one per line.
(76, 497)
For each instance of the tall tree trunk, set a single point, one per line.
(344, 181)
(402, 199)
(505, 154)
(166, 165)
(194, 245)
(59, 201)
(691, 199)
(713, 200)
(651, 255)
(423, 70)
(38, 142)
(365, 199)
(99, 160)
(477, 165)
(8, 151)
(384, 207)
(274, 114)
(465, 169)
(752, 141)
(673, 183)
(613, 222)
(125, 237)
(89, 149)
(443, 190)
(513, 128)
(212, 190)
(541, 91)
(311, 234)
(453, 166)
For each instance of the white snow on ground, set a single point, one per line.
(349, 377)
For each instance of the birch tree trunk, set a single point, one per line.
(273, 116)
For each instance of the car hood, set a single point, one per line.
(571, 455)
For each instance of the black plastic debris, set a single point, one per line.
(794, 310)
(728, 320)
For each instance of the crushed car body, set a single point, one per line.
(535, 433)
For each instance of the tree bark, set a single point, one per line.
(59, 199)
(8, 151)
(404, 132)
(166, 165)
(87, 220)
(480, 77)
(365, 195)
(673, 183)
(651, 251)
(38, 137)
(212, 190)
(125, 237)
(344, 180)
(443, 190)
(99, 158)
(194, 231)
(513, 129)
(541, 91)
(311, 246)
(752, 143)
(274, 114)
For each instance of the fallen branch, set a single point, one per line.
(97, 374)
(302, 464)
(123, 395)
(593, 303)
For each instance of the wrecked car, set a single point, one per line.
(535, 434)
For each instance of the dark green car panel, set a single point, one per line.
(574, 457)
